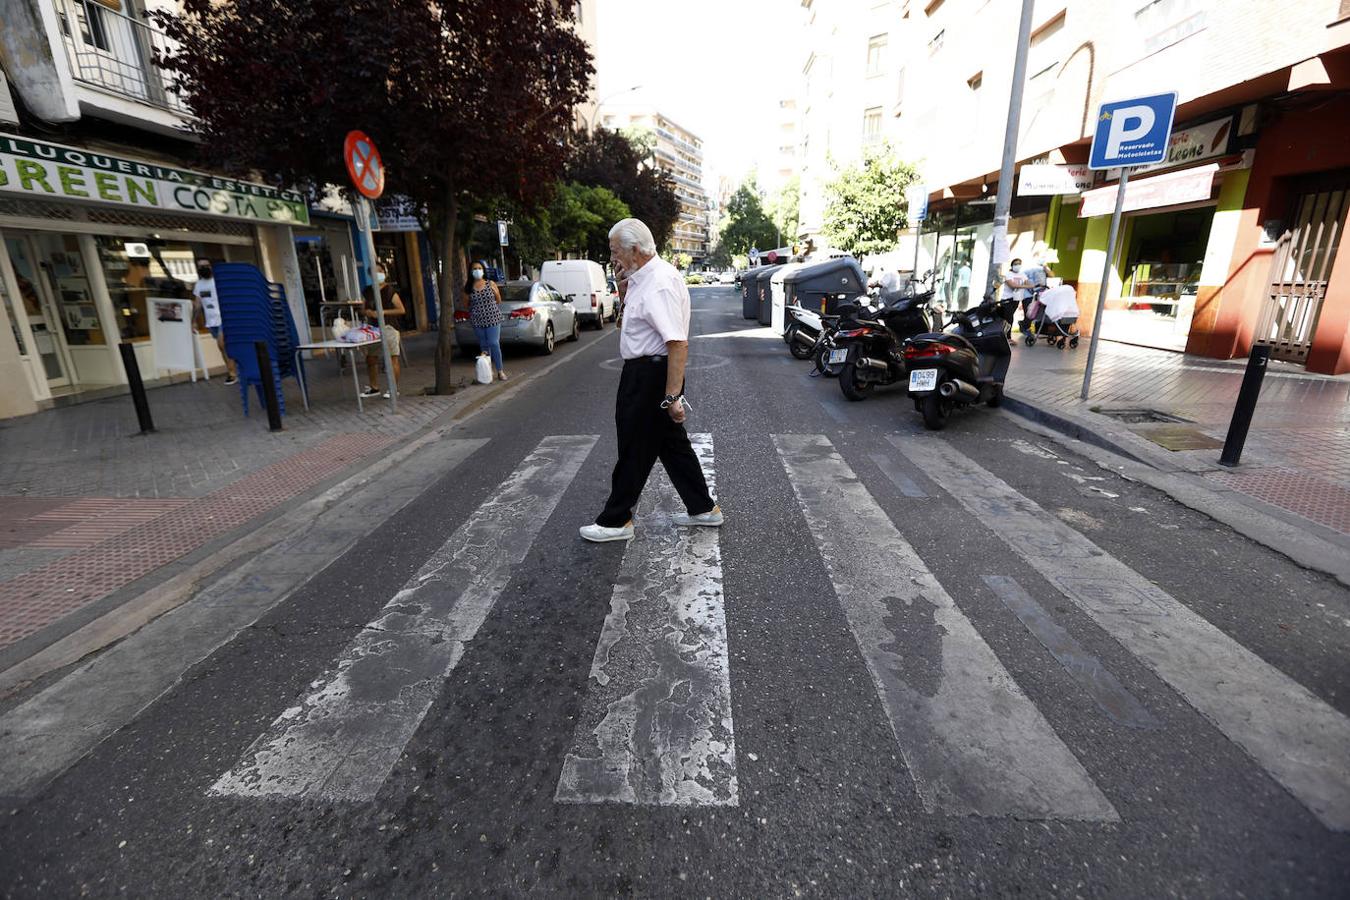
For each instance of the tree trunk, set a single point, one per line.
(450, 280)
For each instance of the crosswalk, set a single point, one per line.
(656, 722)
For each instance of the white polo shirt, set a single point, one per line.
(656, 310)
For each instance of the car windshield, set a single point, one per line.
(516, 293)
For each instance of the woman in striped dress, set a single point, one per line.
(485, 315)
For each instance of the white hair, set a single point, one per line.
(635, 235)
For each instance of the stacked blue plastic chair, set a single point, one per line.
(253, 309)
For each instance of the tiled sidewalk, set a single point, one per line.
(87, 506)
(1297, 455)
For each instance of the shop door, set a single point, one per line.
(48, 338)
(1299, 272)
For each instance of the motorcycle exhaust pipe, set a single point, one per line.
(950, 389)
(800, 335)
(866, 363)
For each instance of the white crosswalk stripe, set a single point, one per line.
(1301, 741)
(974, 743)
(341, 741)
(656, 724)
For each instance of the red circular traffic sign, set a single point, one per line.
(363, 164)
(773, 256)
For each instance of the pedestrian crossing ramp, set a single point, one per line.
(657, 722)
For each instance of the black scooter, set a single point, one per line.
(871, 348)
(964, 365)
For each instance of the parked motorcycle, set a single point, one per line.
(803, 331)
(871, 352)
(963, 365)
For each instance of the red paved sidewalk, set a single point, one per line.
(1297, 455)
(123, 539)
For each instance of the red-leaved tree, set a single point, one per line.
(469, 102)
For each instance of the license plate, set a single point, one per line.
(838, 356)
(923, 379)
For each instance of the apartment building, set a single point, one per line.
(848, 94)
(1230, 242)
(100, 212)
(679, 153)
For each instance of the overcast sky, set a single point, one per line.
(692, 60)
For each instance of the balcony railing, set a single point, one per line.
(113, 51)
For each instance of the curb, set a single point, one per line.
(1267, 526)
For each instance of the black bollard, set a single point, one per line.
(269, 387)
(1246, 405)
(137, 386)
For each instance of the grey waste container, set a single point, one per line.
(749, 299)
(822, 286)
(764, 293)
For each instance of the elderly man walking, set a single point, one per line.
(650, 409)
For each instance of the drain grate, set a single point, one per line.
(1140, 416)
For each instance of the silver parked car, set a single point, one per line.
(534, 313)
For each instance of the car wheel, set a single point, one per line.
(576, 330)
(600, 320)
(548, 338)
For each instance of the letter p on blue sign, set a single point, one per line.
(1132, 132)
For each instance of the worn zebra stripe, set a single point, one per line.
(973, 742)
(656, 722)
(1301, 741)
(1103, 687)
(341, 741)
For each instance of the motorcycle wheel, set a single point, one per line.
(823, 362)
(796, 347)
(935, 410)
(853, 387)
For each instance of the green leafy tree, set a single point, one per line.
(746, 224)
(581, 216)
(465, 101)
(865, 208)
(623, 164)
(719, 257)
(785, 208)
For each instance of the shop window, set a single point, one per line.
(137, 270)
(13, 319)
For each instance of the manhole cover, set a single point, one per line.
(1138, 415)
(1179, 437)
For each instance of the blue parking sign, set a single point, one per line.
(1132, 132)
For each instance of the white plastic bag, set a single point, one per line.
(482, 369)
(340, 327)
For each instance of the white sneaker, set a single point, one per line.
(599, 533)
(711, 518)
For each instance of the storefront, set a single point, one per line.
(87, 237)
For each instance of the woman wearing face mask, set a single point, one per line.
(485, 315)
(393, 306)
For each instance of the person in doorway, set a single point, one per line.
(650, 408)
(963, 284)
(208, 307)
(1015, 286)
(485, 315)
(393, 306)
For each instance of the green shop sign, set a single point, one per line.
(55, 172)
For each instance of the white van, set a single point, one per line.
(582, 282)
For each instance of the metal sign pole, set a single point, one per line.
(368, 236)
(1106, 281)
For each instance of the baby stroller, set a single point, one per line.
(1054, 317)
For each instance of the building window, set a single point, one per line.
(899, 90)
(876, 54)
(976, 81)
(871, 125)
(935, 43)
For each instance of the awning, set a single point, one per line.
(1171, 189)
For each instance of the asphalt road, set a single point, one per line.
(960, 665)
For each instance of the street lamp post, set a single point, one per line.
(1003, 202)
(590, 124)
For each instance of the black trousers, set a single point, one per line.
(646, 434)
